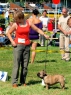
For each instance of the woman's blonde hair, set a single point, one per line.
(18, 15)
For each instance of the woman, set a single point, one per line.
(33, 35)
(21, 45)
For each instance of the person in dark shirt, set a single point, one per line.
(33, 35)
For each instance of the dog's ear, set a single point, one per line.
(44, 71)
(45, 74)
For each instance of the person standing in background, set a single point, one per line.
(64, 37)
(45, 21)
(33, 35)
(8, 28)
(69, 24)
(6, 18)
(69, 33)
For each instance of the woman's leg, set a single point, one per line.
(17, 56)
(24, 64)
(33, 54)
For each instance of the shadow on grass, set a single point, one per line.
(32, 82)
(42, 61)
(9, 77)
(51, 87)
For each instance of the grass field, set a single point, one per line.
(53, 64)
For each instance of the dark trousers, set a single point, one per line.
(21, 58)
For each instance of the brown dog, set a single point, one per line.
(51, 79)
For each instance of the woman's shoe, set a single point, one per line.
(15, 85)
(24, 84)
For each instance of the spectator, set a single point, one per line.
(45, 21)
(6, 18)
(64, 37)
(69, 24)
(21, 45)
(33, 35)
(69, 33)
(8, 28)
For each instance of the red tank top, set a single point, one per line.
(22, 35)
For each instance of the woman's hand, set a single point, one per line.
(46, 36)
(13, 43)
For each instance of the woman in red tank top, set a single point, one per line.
(21, 45)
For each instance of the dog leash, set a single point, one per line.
(46, 55)
(47, 49)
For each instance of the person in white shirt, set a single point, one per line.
(45, 21)
(6, 15)
(64, 37)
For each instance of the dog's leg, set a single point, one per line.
(47, 86)
(62, 85)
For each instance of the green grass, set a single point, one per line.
(51, 62)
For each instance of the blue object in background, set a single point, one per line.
(1, 10)
(70, 45)
(3, 40)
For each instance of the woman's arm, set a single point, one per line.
(39, 30)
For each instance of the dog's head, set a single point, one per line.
(41, 74)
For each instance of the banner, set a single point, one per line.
(3, 76)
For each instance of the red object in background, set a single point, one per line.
(56, 1)
(50, 26)
(1, 29)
